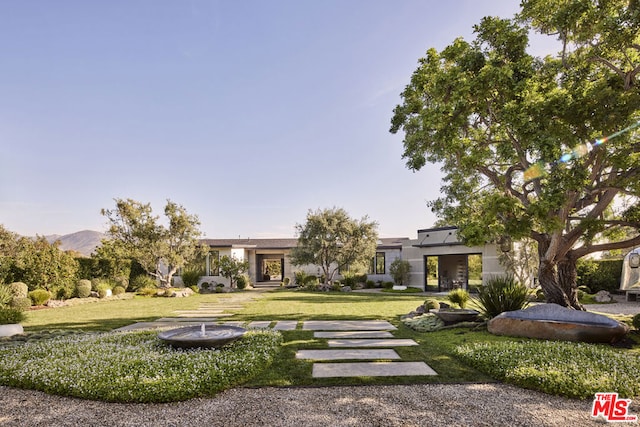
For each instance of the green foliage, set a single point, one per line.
(427, 322)
(370, 284)
(83, 288)
(143, 281)
(232, 268)
(191, 277)
(135, 367)
(459, 297)
(332, 240)
(118, 290)
(148, 291)
(567, 369)
(137, 234)
(599, 275)
(636, 321)
(9, 316)
(486, 111)
(500, 294)
(286, 281)
(431, 304)
(39, 296)
(20, 303)
(242, 281)
(5, 295)
(400, 270)
(301, 277)
(387, 285)
(103, 289)
(19, 289)
(64, 291)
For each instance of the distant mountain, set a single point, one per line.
(85, 241)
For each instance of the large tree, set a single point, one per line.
(160, 249)
(488, 112)
(332, 240)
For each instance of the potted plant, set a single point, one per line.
(10, 319)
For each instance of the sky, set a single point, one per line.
(247, 113)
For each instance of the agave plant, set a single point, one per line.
(459, 297)
(500, 294)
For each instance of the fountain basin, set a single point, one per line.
(203, 336)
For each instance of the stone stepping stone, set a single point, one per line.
(372, 343)
(286, 325)
(191, 319)
(371, 369)
(347, 325)
(347, 354)
(238, 323)
(259, 324)
(201, 314)
(353, 334)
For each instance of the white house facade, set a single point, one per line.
(439, 261)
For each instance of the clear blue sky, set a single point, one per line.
(247, 113)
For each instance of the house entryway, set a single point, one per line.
(456, 271)
(270, 267)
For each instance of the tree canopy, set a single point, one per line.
(488, 111)
(160, 249)
(333, 240)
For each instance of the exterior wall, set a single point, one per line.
(390, 255)
(444, 241)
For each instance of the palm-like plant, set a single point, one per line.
(500, 294)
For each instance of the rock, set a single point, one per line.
(181, 293)
(420, 309)
(359, 286)
(554, 322)
(346, 289)
(603, 296)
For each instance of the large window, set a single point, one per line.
(214, 265)
(377, 264)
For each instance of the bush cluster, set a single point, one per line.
(9, 316)
(431, 304)
(39, 296)
(19, 289)
(143, 281)
(500, 294)
(83, 288)
(599, 275)
(459, 297)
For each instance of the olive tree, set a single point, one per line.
(332, 240)
(160, 249)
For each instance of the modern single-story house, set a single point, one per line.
(439, 261)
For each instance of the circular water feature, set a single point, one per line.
(203, 336)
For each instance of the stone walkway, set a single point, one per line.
(368, 340)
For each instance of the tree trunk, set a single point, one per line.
(567, 280)
(549, 282)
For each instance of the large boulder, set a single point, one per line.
(554, 322)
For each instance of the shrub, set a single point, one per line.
(39, 296)
(9, 316)
(241, 281)
(119, 290)
(599, 275)
(64, 291)
(83, 288)
(427, 322)
(300, 277)
(370, 284)
(20, 303)
(205, 286)
(387, 285)
(5, 295)
(148, 292)
(104, 290)
(194, 289)
(191, 277)
(19, 289)
(400, 270)
(636, 321)
(143, 281)
(500, 294)
(311, 283)
(431, 304)
(361, 278)
(349, 280)
(459, 297)
(285, 282)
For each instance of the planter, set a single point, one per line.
(456, 315)
(11, 329)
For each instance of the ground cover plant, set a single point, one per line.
(562, 368)
(133, 366)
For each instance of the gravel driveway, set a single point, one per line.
(401, 405)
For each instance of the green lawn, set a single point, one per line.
(441, 349)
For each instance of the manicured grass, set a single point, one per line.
(458, 355)
(112, 314)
